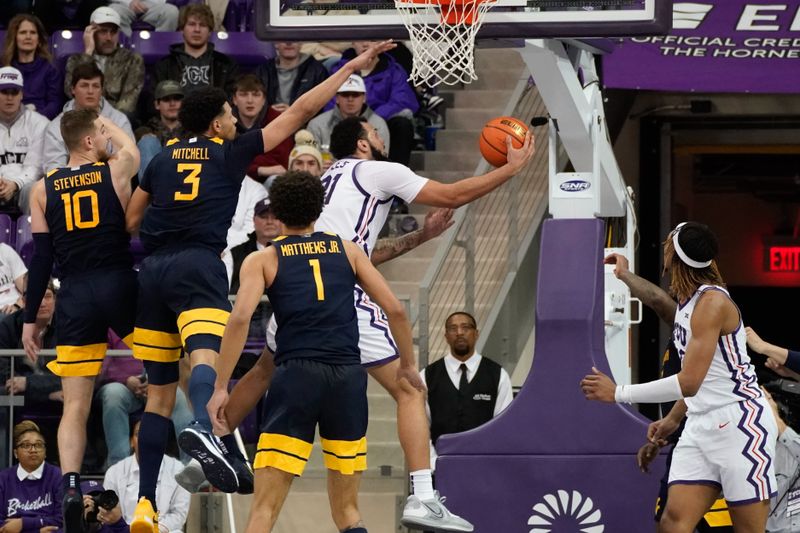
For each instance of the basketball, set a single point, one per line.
(493, 138)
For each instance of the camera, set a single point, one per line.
(786, 394)
(106, 499)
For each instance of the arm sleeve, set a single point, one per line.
(793, 361)
(39, 274)
(504, 393)
(390, 179)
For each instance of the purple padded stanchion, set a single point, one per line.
(553, 461)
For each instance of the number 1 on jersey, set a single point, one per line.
(317, 278)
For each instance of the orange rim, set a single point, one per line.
(457, 11)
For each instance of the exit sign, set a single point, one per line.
(782, 258)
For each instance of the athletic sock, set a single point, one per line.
(422, 484)
(231, 447)
(153, 436)
(71, 480)
(201, 388)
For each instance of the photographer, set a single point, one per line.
(101, 509)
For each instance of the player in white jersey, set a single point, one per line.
(359, 189)
(728, 444)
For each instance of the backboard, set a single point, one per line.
(314, 20)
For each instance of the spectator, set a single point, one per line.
(172, 500)
(351, 101)
(249, 108)
(289, 74)
(158, 130)
(465, 389)
(122, 391)
(123, 70)
(158, 13)
(87, 89)
(390, 96)
(194, 63)
(26, 50)
(21, 143)
(13, 274)
(242, 221)
(30, 492)
(98, 518)
(305, 156)
(266, 227)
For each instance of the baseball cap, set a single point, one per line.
(262, 206)
(168, 88)
(10, 78)
(90, 486)
(353, 84)
(105, 15)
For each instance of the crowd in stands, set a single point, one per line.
(142, 94)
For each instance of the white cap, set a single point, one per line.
(105, 15)
(353, 84)
(10, 78)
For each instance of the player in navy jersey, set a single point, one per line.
(309, 277)
(192, 188)
(78, 218)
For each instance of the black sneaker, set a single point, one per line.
(244, 473)
(210, 453)
(72, 509)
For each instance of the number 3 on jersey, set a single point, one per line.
(73, 213)
(192, 179)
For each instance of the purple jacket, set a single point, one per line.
(43, 86)
(38, 502)
(388, 91)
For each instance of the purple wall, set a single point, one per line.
(552, 455)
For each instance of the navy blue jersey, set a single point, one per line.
(312, 298)
(194, 186)
(86, 220)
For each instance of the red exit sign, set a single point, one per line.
(782, 258)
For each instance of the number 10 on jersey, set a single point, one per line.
(74, 215)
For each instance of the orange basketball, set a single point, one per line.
(493, 138)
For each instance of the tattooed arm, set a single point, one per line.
(436, 222)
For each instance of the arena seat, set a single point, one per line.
(23, 243)
(244, 48)
(153, 45)
(7, 230)
(64, 43)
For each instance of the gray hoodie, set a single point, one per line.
(55, 151)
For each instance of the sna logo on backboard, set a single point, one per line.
(560, 512)
(574, 186)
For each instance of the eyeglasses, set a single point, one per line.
(462, 327)
(31, 446)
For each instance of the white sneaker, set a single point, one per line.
(191, 477)
(432, 515)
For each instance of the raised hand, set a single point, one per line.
(519, 157)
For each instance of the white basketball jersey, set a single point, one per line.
(358, 197)
(731, 377)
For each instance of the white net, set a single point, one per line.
(442, 35)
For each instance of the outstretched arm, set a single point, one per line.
(308, 105)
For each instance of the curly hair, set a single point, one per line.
(10, 46)
(26, 426)
(200, 108)
(699, 243)
(345, 136)
(297, 199)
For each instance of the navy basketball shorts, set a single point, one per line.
(182, 304)
(305, 393)
(87, 305)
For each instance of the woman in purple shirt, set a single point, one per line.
(30, 492)
(26, 50)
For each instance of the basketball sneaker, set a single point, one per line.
(209, 451)
(145, 518)
(432, 515)
(191, 477)
(244, 473)
(72, 509)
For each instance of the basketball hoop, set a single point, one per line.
(442, 34)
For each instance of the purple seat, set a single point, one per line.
(7, 230)
(24, 239)
(243, 47)
(64, 43)
(153, 45)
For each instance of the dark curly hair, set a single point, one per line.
(200, 108)
(345, 136)
(297, 198)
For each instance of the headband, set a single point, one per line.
(678, 250)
